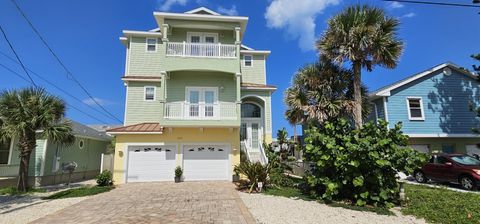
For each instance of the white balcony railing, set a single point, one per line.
(201, 111)
(204, 50)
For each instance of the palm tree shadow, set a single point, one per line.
(452, 98)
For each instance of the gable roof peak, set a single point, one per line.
(385, 91)
(202, 10)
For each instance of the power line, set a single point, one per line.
(69, 74)
(73, 107)
(16, 55)
(434, 3)
(52, 84)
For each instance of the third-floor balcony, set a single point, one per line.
(201, 111)
(201, 50)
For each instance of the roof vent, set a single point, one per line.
(447, 71)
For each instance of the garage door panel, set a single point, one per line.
(150, 164)
(206, 163)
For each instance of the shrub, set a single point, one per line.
(104, 178)
(280, 180)
(178, 172)
(358, 165)
(255, 172)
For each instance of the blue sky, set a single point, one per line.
(85, 36)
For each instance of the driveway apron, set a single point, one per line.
(159, 202)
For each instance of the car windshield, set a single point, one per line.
(466, 160)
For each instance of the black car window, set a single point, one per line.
(432, 159)
(442, 160)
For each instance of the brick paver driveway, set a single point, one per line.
(187, 202)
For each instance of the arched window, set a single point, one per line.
(250, 110)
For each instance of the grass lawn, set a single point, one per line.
(14, 191)
(291, 192)
(442, 205)
(79, 192)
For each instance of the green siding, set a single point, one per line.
(256, 73)
(179, 80)
(204, 25)
(87, 158)
(139, 110)
(180, 35)
(36, 158)
(143, 63)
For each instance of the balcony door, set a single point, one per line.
(201, 102)
(202, 44)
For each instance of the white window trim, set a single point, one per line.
(251, 60)
(202, 37)
(10, 150)
(146, 44)
(421, 108)
(82, 145)
(145, 93)
(201, 97)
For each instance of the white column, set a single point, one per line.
(165, 32)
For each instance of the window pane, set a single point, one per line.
(195, 39)
(243, 132)
(149, 93)
(209, 40)
(448, 148)
(209, 97)
(4, 152)
(194, 97)
(250, 110)
(151, 44)
(248, 60)
(415, 113)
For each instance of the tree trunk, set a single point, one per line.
(357, 91)
(26, 146)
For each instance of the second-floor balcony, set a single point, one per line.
(201, 111)
(202, 50)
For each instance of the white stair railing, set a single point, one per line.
(263, 156)
(244, 148)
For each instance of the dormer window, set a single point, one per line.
(151, 44)
(247, 60)
(415, 108)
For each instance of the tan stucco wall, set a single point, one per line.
(177, 136)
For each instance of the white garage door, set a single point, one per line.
(421, 148)
(206, 162)
(151, 163)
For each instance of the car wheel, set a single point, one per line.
(420, 177)
(467, 183)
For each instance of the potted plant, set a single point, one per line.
(178, 174)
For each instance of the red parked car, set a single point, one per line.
(457, 168)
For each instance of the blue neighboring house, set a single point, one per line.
(434, 107)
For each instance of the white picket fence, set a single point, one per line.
(106, 162)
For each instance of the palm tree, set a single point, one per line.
(294, 116)
(28, 114)
(320, 92)
(366, 37)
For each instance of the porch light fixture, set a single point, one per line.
(222, 88)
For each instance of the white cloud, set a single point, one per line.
(297, 18)
(408, 15)
(394, 5)
(231, 11)
(165, 5)
(91, 102)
